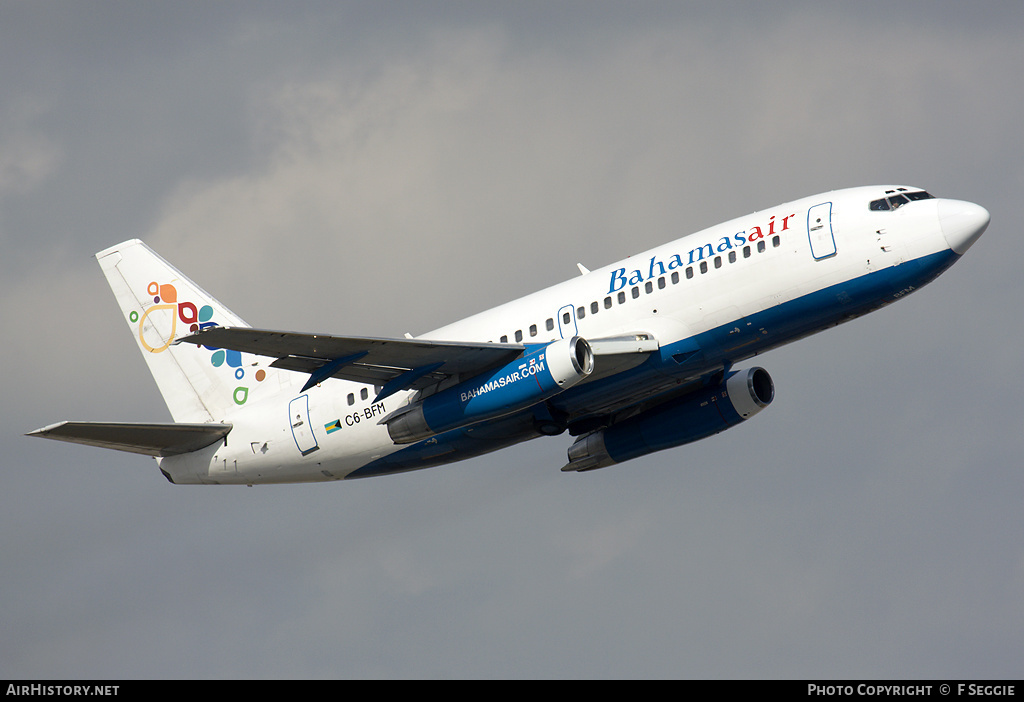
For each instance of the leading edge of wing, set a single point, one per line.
(396, 364)
(149, 439)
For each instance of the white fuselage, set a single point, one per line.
(710, 299)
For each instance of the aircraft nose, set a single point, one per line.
(962, 223)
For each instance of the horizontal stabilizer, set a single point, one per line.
(136, 437)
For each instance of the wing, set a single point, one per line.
(147, 439)
(393, 364)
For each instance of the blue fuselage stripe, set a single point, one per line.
(718, 347)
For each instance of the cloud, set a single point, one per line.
(27, 156)
(358, 170)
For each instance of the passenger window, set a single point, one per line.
(622, 297)
(550, 324)
(566, 318)
(675, 277)
(732, 257)
(533, 330)
(718, 261)
(519, 335)
(580, 313)
(363, 394)
(775, 242)
(703, 266)
(689, 272)
(760, 246)
(593, 308)
(746, 252)
(649, 287)
(608, 303)
(351, 399)
(661, 282)
(636, 292)
(504, 339)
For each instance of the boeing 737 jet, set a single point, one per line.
(640, 356)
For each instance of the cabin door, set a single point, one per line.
(302, 431)
(819, 231)
(567, 322)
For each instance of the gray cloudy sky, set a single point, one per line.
(378, 168)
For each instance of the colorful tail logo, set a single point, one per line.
(165, 298)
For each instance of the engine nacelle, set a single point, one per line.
(691, 418)
(529, 379)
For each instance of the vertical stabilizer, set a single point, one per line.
(160, 304)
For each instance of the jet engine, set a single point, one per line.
(537, 375)
(682, 421)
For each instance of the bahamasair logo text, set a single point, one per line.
(620, 278)
(526, 370)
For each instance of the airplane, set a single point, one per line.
(637, 357)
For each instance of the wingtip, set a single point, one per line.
(43, 431)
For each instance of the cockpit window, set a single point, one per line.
(898, 200)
